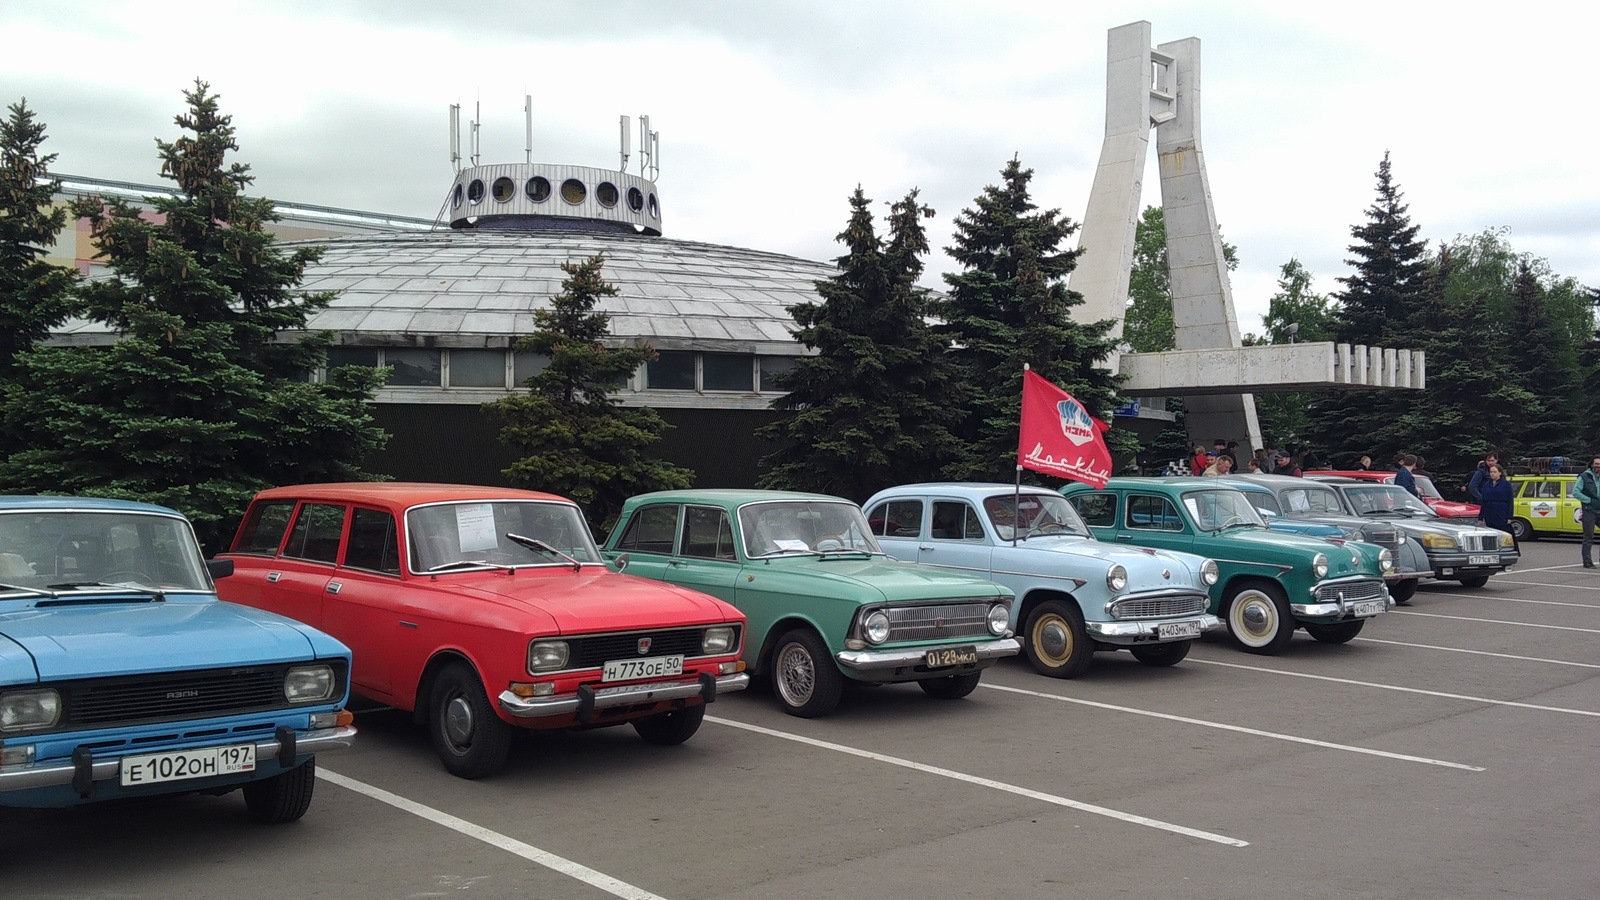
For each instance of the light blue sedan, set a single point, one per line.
(1075, 595)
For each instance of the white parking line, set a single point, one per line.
(1412, 612)
(985, 782)
(1394, 687)
(1236, 728)
(1495, 598)
(1537, 659)
(598, 880)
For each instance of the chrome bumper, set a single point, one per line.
(1338, 609)
(590, 698)
(871, 660)
(1148, 630)
(57, 773)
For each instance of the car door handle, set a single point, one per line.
(272, 577)
(925, 547)
(1124, 537)
(333, 587)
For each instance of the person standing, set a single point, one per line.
(1475, 484)
(1494, 499)
(1219, 447)
(1286, 465)
(1365, 464)
(1199, 462)
(1403, 476)
(1223, 465)
(1587, 490)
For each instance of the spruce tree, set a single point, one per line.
(194, 405)
(35, 296)
(577, 438)
(1546, 365)
(874, 406)
(1009, 306)
(1283, 415)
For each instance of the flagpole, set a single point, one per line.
(1016, 491)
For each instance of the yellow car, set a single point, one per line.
(1544, 505)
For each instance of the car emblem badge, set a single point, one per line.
(644, 645)
(1167, 574)
(939, 624)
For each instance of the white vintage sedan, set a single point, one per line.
(1075, 595)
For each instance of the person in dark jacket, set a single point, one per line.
(1475, 484)
(1403, 476)
(1494, 499)
(1587, 491)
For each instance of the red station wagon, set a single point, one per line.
(481, 609)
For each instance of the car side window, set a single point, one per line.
(316, 533)
(374, 543)
(1097, 510)
(1151, 513)
(707, 533)
(1549, 489)
(652, 529)
(263, 530)
(896, 518)
(956, 520)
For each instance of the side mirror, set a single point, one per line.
(621, 562)
(219, 568)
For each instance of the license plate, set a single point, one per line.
(1366, 608)
(649, 667)
(1169, 630)
(178, 765)
(1483, 560)
(951, 656)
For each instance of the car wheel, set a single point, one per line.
(1056, 642)
(950, 687)
(1403, 591)
(284, 797)
(470, 739)
(804, 678)
(1168, 654)
(1337, 633)
(1258, 618)
(669, 729)
(1476, 581)
(1522, 530)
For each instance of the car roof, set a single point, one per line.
(728, 496)
(404, 493)
(1273, 481)
(962, 489)
(80, 504)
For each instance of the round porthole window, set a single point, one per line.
(635, 199)
(538, 189)
(455, 197)
(573, 191)
(504, 189)
(655, 211)
(475, 191)
(607, 194)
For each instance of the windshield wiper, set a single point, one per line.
(36, 592)
(151, 593)
(467, 564)
(536, 544)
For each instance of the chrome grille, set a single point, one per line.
(595, 650)
(938, 621)
(1351, 591)
(1161, 607)
(1383, 537)
(1481, 543)
(171, 696)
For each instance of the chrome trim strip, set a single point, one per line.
(623, 695)
(868, 660)
(1149, 628)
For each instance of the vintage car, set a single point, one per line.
(1544, 505)
(122, 674)
(1457, 551)
(1301, 504)
(1075, 594)
(825, 603)
(1426, 489)
(1270, 583)
(480, 609)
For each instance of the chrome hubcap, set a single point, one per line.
(797, 675)
(1053, 639)
(458, 721)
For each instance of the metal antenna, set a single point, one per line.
(644, 146)
(477, 117)
(627, 135)
(455, 137)
(527, 112)
(655, 154)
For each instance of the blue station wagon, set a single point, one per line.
(123, 675)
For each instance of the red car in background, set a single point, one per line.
(1449, 509)
(484, 609)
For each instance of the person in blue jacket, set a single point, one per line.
(1494, 501)
(1475, 484)
(1403, 476)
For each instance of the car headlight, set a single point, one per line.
(717, 640)
(309, 684)
(29, 710)
(1117, 578)
(876, 626)
(1386, 561)
(1319, 565)
(547, 656)
(1506, 540)
(1209, 573)
(999, 618)
(1438, 541)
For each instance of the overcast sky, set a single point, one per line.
(771, 113)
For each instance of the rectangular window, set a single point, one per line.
(671, 370)
(954, 520)
(525, 365)
(1153, 514)
(651, 530)
(316, 533)
(373, 545)
(353, 356)
(896, 519)
(707, 533)
(1097, 510)
(727, 371)
(263, 530)
(414, 367)
(478, 368)
(774, 368)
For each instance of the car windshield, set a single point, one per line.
(1384, 500)
(776, 528)
(1216, 509)
(1426, 488)
(498, 533)
(91, 551)
(1034, 516)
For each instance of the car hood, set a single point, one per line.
(1144, 565)
(1419, 526)
(597, 599)
(1454, 509)
(1279, 546)
(894, 580)
(106, 639)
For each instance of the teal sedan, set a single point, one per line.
(824, 603)
(1270, 583)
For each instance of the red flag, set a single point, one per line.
(1059, 437)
